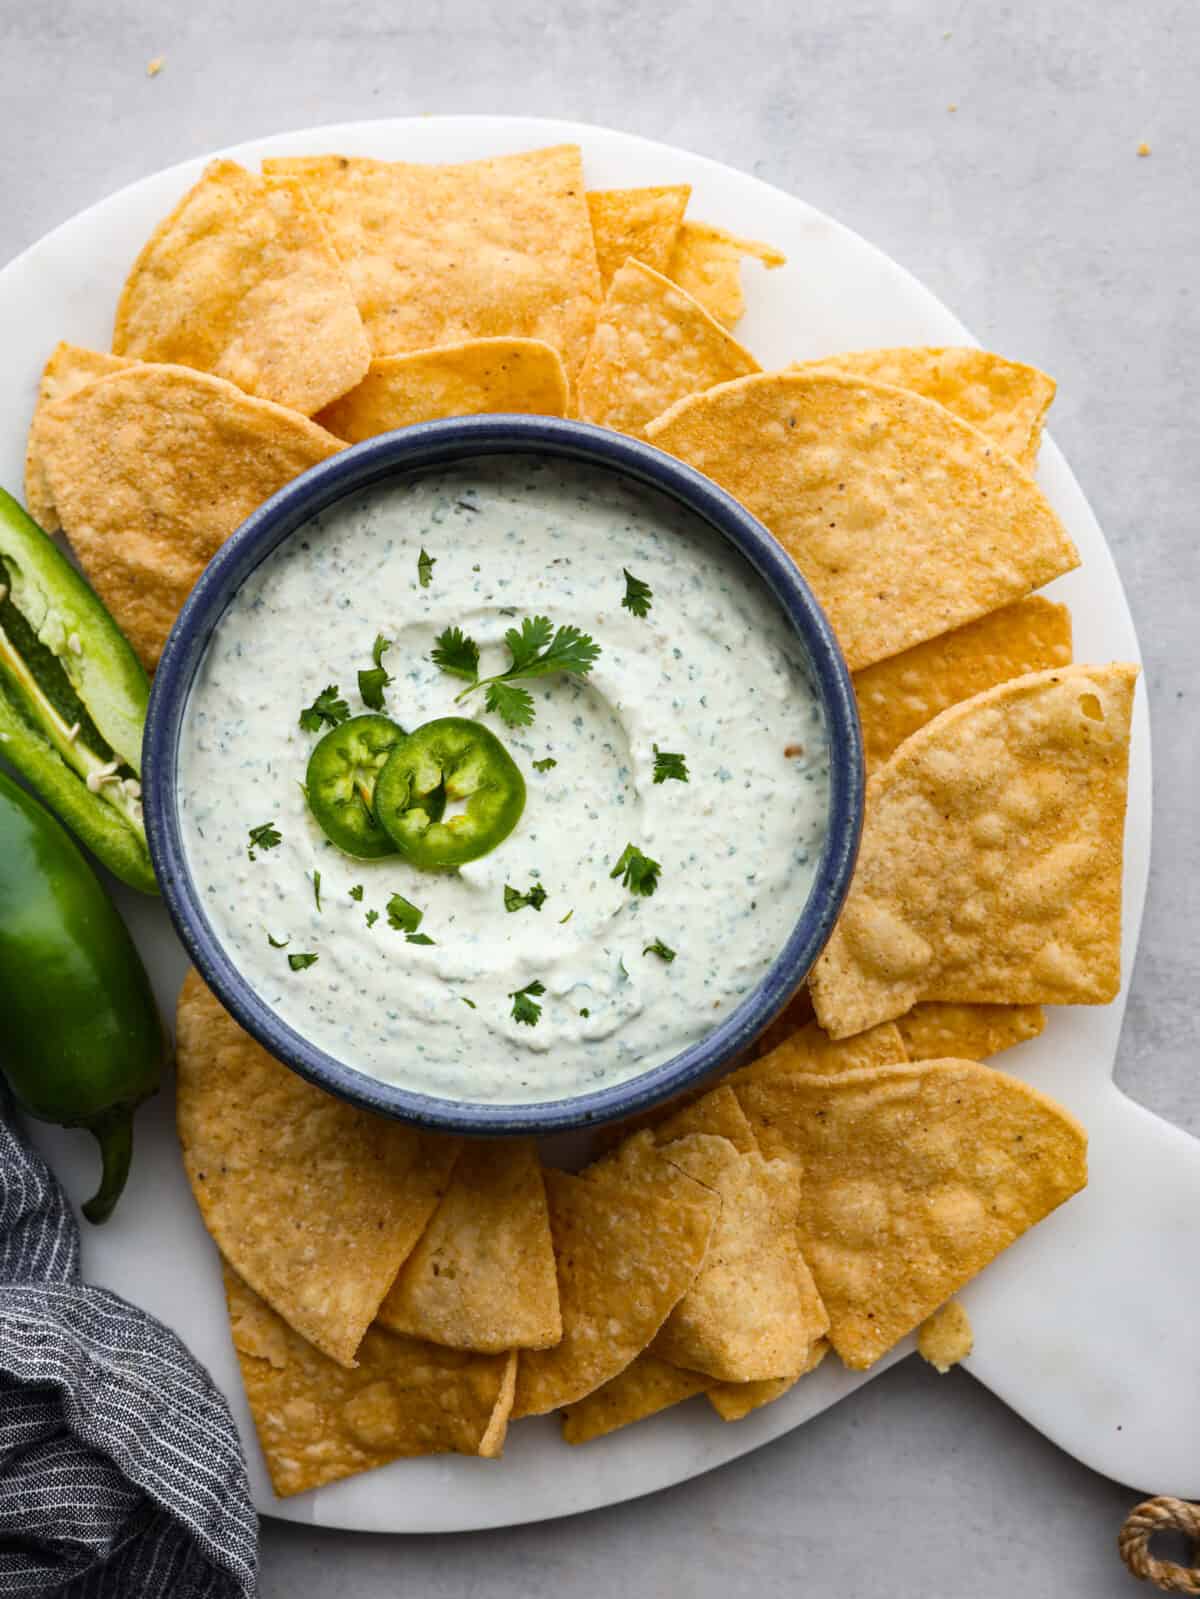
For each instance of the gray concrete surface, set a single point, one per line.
(1028, 210)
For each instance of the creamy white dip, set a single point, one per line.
(713, 672)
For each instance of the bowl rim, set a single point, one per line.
(423, 447)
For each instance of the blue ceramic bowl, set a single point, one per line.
(435, 444)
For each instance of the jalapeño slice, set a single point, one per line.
(340, 783)
(449, 761)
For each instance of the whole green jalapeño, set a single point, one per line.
(451, 761)
(341, 779)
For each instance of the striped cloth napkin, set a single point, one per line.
(121, 1474)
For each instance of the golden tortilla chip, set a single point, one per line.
(905, 521)
(69, 368)
(946, 1338)
(733, 1401)
(743, 1318)
(1003, 399)
(810, 1049)
(718, 1113)
(915, 1177)
(643, 223)
(626, 1255)
(990, 867)
(317, 1422)
(966, 1032)
(653, 345)
(482, 1275)
(899, 695)
(466, 379)
(315, 1203)
(241, 281)
(439, 254)
(645, 1387)
(707, 262)
(152, 469)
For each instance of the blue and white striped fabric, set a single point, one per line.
(121, 1474)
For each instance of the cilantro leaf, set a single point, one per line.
(357, 891)
(524, 644)
(265, 836)
(317, 888)
(638, 595)
(278, 943)
(637, 871)
(515, 705)
(525, 1008)
(664, 951)
(372, 918)
(299, 962)
(544, 765)
(372, 682)
(667, 765)
(457, 654)
(326, 709)
(535, 898)
(403, 915)
(425, 566)
(419, 938)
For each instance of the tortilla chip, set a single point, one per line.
(966, 1032)
(152, 469)
(626, 1255)
(1003, 399)
(733, 1401)
(439, 254)
(69, 368)
(707, 263)
(743, 1318)
(653, 345)
(990, 867)
(317, 1422)
(482, 1276)
(718, 1113)
(645, 1387)
(915, 1177)
(905, 521)
(946, 1338)
(898, 696)
(466, 379)
(316, 1204)
(643, 223)
(241, 281)
(810, 1049)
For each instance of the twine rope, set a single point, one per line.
(1143, 1524)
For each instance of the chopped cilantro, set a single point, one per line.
(545, 765)
(326, 710)
(457, 654)
(403, 915)
(525, 1008)
(469, 1002)
(317, 888)
(266, 836)
(373, 681)
(419, 938)
(299, 962)
(357, 891)
(667, 765)
(585, 1012)
(638, 595)
(425, 566)
(664, 951)
(372, 918)
(278, 943)
(637, 871)
(535, 897)
(567, 917)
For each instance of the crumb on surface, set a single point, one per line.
(155, 65)
(946, 1337)
(1143, 148)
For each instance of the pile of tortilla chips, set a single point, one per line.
(395, 1293)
